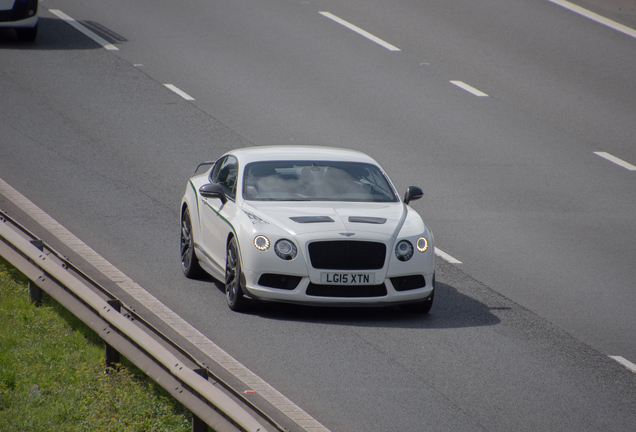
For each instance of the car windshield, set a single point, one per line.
(316, 181)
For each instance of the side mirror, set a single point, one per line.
(412, 193)
(213, 190)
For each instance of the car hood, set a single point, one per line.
(317, 216)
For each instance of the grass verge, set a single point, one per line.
(52, 373)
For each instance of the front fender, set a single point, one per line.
(421, 262)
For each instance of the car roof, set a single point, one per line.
(295, 152)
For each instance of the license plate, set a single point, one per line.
(347, 278)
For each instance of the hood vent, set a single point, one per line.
(311, 219)
(366, 219)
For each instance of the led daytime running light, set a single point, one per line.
(261, 243)
(422, 244)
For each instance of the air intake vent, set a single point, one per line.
(311, 219)
(279, 281)
(367, 219)
(406, 283)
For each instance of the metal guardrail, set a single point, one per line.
(54, 274)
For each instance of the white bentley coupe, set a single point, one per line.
(311, 225)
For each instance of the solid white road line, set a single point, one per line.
(616, 160)
(360, 31)
(470, 89)
(179, 92)
(446, 257)
(629, 365)
(84, 30)
(198, 339)
(595, 17)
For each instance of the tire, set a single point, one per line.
(421, 307)
(189, 262)
(26, 34)
(233, 279)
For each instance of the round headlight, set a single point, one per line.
(404, 250)
(261, 243)
(422, 244)
(285, 249)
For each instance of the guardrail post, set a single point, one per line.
(35, 292)
(199, 425)
(111, 355)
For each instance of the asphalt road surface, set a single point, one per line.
(497, 109)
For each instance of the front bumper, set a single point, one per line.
(267, 277)
(300, 295)
(23, 14)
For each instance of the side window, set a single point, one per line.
(225, 174)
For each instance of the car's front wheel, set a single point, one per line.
(189, 262)
(233, 281)
(421, 307)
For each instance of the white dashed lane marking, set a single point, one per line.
(179, 92)
(446, 257)
(629, 365)
(104, 43)
(595, 17)
(616, 160)
(469, 89)
(360, 31)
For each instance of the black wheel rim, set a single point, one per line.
(231, 275)
(187, 247)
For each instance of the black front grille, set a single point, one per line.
(356, 291)
(279, 281)
(405, 283)
(347, 255)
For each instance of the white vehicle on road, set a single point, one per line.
(22, 15)
(311, 225)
